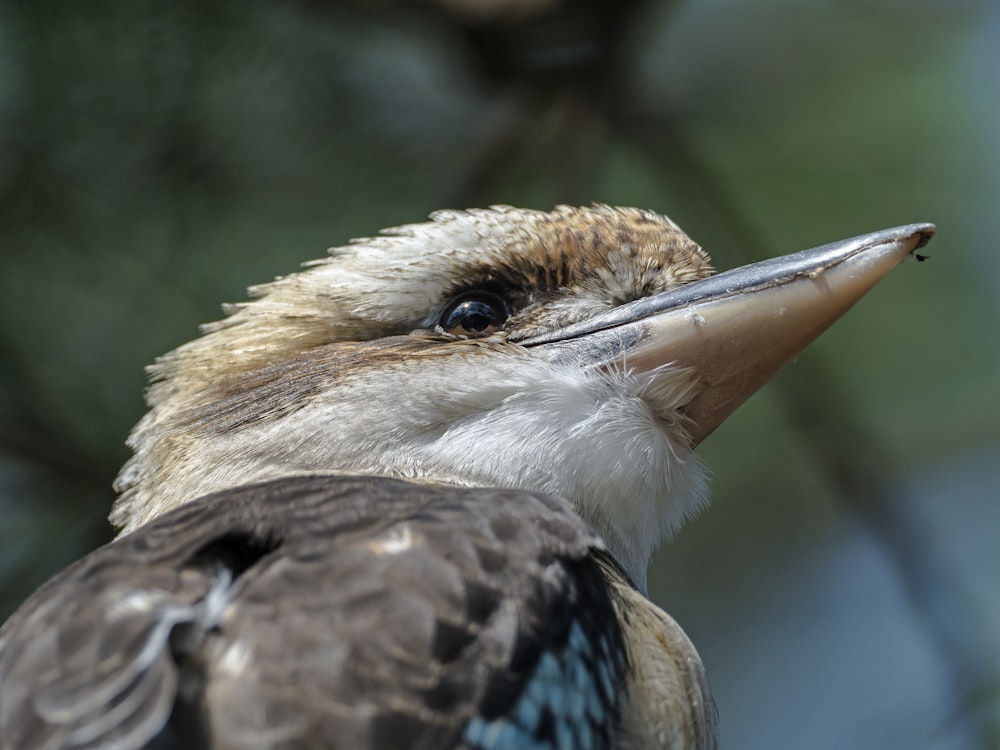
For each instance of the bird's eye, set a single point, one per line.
(474, 314)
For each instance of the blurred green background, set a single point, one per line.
(157, 158)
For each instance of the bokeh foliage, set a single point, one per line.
(158, 158)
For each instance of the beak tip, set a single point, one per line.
(917, 234)
(883, 250)
(926, 231)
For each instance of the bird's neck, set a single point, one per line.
(588, 437)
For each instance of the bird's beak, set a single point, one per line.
(736, 329)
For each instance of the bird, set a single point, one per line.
(406, 497)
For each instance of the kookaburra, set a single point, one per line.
(406, 497)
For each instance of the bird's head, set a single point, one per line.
(582, 353)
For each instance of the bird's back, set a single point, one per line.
(326, 612)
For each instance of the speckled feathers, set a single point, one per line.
(441, 614)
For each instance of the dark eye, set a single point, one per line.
(474, 314)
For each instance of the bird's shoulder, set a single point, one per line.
(329, 611)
